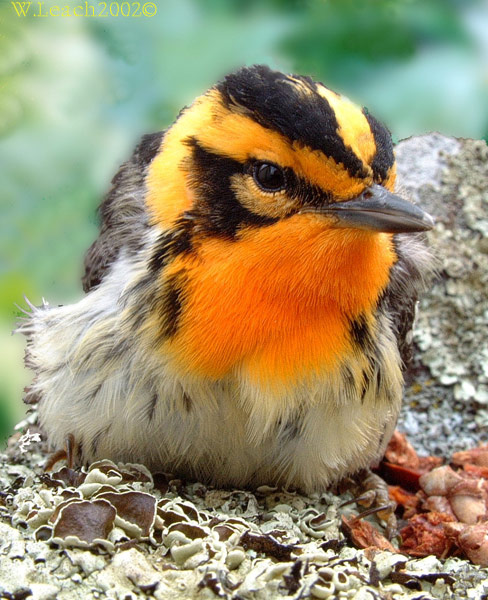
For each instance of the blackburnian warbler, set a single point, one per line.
(249, 299)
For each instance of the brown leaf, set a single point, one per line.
(267, 545)
(476, 471)
(424, 534)
(85, 519)
(135, 507)
(475, 456)
(363, 535)
(409, 501)
(400, 452)
(403, 476)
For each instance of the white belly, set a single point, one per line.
(121, 401)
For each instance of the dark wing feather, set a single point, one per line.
(122, 213)
(408, 278)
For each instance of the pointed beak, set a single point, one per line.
(377, 209)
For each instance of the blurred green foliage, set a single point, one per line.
(77, 93)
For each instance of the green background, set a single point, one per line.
(77, 93)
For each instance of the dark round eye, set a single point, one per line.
(269, 177)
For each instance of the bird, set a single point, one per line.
(249, 301)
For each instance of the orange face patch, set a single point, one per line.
(278, 301)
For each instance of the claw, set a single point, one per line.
(375, 497)
(67, 453)
(365, 499)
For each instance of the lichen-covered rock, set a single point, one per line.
(447, 401)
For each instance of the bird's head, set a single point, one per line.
(274, 200)
(262, 146)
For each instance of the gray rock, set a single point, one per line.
(448, 386)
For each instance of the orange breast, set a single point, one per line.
(278, 301)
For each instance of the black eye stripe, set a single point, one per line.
(218, 210)
(305, 192)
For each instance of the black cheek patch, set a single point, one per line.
(171, 244)
(217, 209)
(170, 305)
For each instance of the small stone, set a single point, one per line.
(386, 562)
(481, 394)
(17, 549)
(234, 558)
(87, 561)
(135, 567)
(464, 390)
(429, 564)
(446, 379)
(44, 591)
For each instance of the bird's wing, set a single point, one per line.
(408, 277)
(122, 213)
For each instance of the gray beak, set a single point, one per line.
(377, 209)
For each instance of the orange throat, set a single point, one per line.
(277, 304)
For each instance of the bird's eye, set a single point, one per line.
(269, 177)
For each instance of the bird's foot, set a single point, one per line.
(371, 491)
(67, 453)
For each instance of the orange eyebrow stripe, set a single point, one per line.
(233, 134)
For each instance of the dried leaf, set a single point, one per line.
(267, 545)
(403, 476)
(475, 456)
(88, 520)
(476, 471)
(400, 452)
(424, 534)
(135, 507)
(409, 501)
(363, 535)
